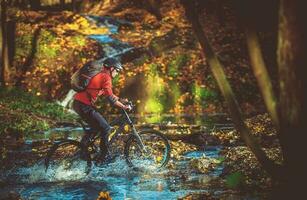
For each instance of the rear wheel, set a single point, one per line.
(156, 153)
(67, 158)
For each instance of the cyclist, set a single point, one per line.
(83, 104)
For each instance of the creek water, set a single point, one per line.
(111, 47)
(121, 181)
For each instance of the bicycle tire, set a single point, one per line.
(68, 153)
(153, 141)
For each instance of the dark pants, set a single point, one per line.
(95, 120)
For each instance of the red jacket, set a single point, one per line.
(100, 84)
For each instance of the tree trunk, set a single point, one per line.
(248, 16)
(35, 4)
(5, 69)
(261, 74)
(219, 12)
(292, 63)
(153, 7)
(235, 111)
(1, 41)
(74, 5)
(29, 60)
(85, 5)
(62, 3)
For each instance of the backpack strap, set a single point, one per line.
(84, 75)
(89, 95)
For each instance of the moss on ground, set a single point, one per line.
(23, 113)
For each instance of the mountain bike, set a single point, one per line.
(146, 147)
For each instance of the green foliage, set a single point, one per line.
(24, 112)
(153, 105)
(22, 123)
(154, 69)
(155, 88)
(44, 49)
(220, 160)
(234, 180)
(169, 97)
(154, 118)
(203, 94)
(23, 46)
(156, 47)
(175, 65)
(25, 41)
(79, 40)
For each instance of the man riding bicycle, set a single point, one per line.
(99, 85)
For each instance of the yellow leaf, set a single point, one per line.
(158, 159)
(104, 196)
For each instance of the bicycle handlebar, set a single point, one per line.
(129, 103)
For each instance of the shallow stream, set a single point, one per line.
(121, 181)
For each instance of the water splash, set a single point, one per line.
(38, 174)
(122, 181)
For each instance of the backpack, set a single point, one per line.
(81, 78)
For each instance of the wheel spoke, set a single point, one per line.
(157, 150)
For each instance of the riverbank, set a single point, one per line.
(23, 113)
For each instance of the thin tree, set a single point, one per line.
(74, 5)
(153, 7)
(62, 3)
(85, 5)
(249, 19)
(1, 35)
(219, 74)
(5, 69)
(35, 4)
(261, 73)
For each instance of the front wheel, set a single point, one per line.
(67, 158)
(156, 153)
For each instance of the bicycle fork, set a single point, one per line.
(135, 133)
(139, 139)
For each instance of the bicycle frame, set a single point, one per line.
(121, 122)
(90, 151)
